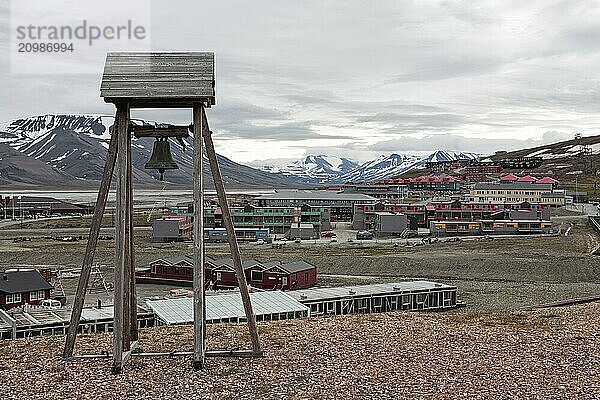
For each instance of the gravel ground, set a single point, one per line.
(543, 354)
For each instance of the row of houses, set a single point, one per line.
(421, 214)
(220, 273)
(396, 189)
(490, 227)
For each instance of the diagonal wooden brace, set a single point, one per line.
(231, 238)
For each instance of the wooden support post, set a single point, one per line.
(92, 242)
(132, 290)
(199, 308)
(127, 246)
(231, 238)
(120, 237)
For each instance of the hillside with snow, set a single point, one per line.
(569, 159)
(322, 169)
(387, 166)
(75, 146)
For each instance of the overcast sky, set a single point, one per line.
(363, 78)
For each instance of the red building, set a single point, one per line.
(220, 273)
(284, 276)
(19, 287)
(171, 270)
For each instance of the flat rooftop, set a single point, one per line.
(224, 306)
(324, 195)
(318, 294)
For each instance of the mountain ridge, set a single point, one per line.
(76, 146)
(382, 167)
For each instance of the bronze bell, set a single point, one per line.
(161, 158)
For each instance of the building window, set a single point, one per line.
(34, 296)
(13, 298)
(306, 277)
(165, 270)
(256, 276)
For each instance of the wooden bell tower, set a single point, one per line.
(156, 80)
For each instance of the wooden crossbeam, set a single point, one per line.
(162, 132)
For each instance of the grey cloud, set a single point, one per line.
(457, 142)
(293, 72)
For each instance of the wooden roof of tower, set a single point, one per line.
(159, 79)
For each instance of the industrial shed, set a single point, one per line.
(389, 224)
(408, 296)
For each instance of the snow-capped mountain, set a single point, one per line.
(314, 169)
(318, 169)
(382, 167)
(387, 166)
(76, 145)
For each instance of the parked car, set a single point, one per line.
(278, 244)
(297, 240)
(333, 239)
(364, 235)
(51, 304)
(327, 234)
(260, 241)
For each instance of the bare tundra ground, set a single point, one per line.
(498, 274)
(548, 354)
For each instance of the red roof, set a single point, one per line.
(527, 178)
(509, 178)
(546, 179)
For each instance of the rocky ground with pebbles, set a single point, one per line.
(542, 354)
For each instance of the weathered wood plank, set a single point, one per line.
(155, 77)
(158, 93)
(198, 278)
(186, 55)
(150, 131)
(127, 247)
(199, 70)
(133, 320)
(200, 87)
(164, 81)
(121, 130)
(165, 102)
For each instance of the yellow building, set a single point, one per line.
(516, 192)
